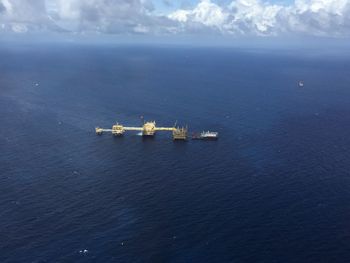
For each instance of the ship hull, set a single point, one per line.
(209, 138)
(204, 138)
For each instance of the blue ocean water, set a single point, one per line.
(274, 188)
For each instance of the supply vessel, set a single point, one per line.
(205, 135)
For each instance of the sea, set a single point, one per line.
(275, 186)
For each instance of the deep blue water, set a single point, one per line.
(274, 188)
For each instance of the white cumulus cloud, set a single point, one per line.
(205, 12)
(255, 17)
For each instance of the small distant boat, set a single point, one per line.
(205, 135)
(301, 83)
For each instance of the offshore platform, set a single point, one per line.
(147, 129)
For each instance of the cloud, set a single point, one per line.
(317, 17)
(206, 13)
(81, 16)
(2, 8)
(254, 17)
(24, 15)
(127, 17)
(105, 16)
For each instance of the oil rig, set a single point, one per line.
(148, 129)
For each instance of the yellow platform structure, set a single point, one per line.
(148, 129)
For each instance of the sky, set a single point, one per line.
(171, 18)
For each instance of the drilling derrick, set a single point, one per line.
(180, 133)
